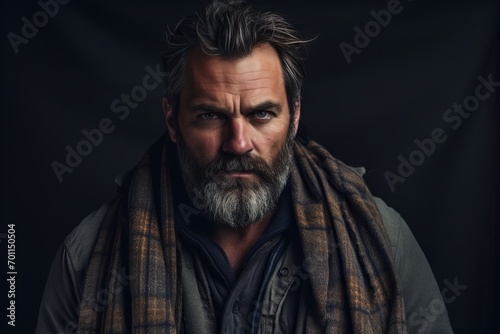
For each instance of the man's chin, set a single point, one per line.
(237, 202)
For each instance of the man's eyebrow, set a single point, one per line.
(266, 105)
(205, 107)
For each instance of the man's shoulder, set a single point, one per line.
(80, 241)
(65, 282)
(393, 222)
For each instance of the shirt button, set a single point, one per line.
(236, 307)
(283, 272)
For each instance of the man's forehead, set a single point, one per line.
(258, 73)
(262, 62)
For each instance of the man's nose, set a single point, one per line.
(237, 139)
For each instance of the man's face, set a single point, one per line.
(234, 134)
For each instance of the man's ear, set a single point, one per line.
(296, 116)
(169, 119)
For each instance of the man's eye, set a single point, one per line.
(262, 114)
(209, 116)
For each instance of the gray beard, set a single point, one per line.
(235, 202)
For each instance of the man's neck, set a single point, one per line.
(237, 242)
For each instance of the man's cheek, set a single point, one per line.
(199, 149)
(205, 148)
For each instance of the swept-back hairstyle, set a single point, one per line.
(231, 29)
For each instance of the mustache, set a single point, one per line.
(234, 164)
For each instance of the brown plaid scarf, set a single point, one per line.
(133, 282)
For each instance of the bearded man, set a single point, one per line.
(233, 223)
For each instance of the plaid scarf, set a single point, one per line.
(133, 282)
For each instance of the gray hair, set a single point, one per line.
(231, 29)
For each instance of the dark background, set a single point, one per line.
(367, 113)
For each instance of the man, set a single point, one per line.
(233, 223)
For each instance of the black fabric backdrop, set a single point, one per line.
(396, 89)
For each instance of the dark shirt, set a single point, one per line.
(240, 296)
